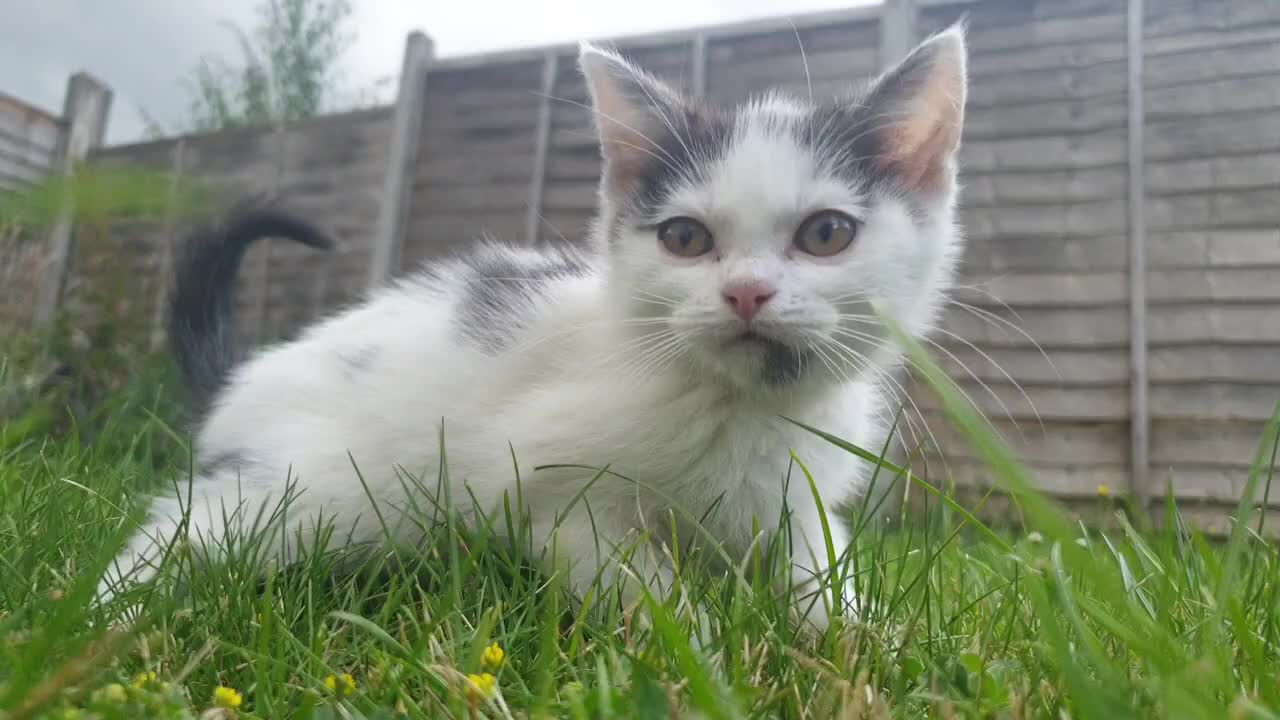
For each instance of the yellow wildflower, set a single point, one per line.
(225, 697)
(343, 685)
(113, 694)
(145, 680)
(1104, 491)
(482, 685)
(493, 656)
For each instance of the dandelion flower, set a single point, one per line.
(493, 656)
(145, 680)
(1104, 491)
(225, 697)
(342, 685)
(483, 685)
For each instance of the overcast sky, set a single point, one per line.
(144, 49)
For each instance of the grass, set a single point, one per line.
(961, 619)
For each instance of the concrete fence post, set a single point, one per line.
(84, 115)
(388, 239)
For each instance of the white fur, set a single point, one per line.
(695, 424)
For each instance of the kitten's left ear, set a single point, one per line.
(630, 107)
(918, 111)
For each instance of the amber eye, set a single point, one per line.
(685, 237)
(826, 233)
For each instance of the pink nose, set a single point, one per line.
(746, 298)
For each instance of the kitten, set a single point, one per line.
(729, 282)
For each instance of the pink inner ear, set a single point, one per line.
(918, 155)
(918, 148)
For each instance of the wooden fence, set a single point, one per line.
(1121, 170)
(33, 145)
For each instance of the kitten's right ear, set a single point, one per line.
(917, 111)
(630, 106)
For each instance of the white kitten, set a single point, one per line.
(733, 266)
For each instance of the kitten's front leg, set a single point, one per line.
(814, 585)
(626, 561)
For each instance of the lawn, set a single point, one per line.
(1136, 617)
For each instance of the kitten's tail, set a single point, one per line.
(202, 330)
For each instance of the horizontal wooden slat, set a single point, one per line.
(1213, 401)
(1063, 482)
(1226, 135)
(1176, 443)
(1218, 248)
(1216, 362)
(1051, 443)
(1040, 403)
(1008, 253)
(1055, 220)
(1260, 170)
(1056, 328)
(1031, 289)
(1212, 97)
(1100, 149)
(1224, 209)
(1029, 366)
(997, 190)
(1247, 284)
(1183, 324)
(1243, 60)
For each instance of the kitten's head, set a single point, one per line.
(751, 241)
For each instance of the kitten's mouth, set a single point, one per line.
(751, 338)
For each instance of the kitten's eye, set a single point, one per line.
(685, 237)
(826, 233)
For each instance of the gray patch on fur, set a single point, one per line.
(229, 460)
(356, 362)
(783, 364)
(501, 289)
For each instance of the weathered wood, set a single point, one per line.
(542, 140)
(1251, 59)
(1071, 444)
(1056, 220)
(390, 230)
(1213, 362)
(1062, 482)
(1042, 289)
(1196, 42)
(1029, 366)
(165, 252)
(1238, 322)
(1019, 253)
(1059, 116)
(1217, 249)
(698, 65)
(1213, 401)
(1056, 186)
(1229, 209)
(1103, 81)
(1243, 172)
(86, 110)
(1187, 138)
(898, 32)
(1177, 444)
(1047, 402)
(1100, 149)
(1140, 418)
(1052, 328)
(1243, 284)
(1212, 97)
(1171, 17)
